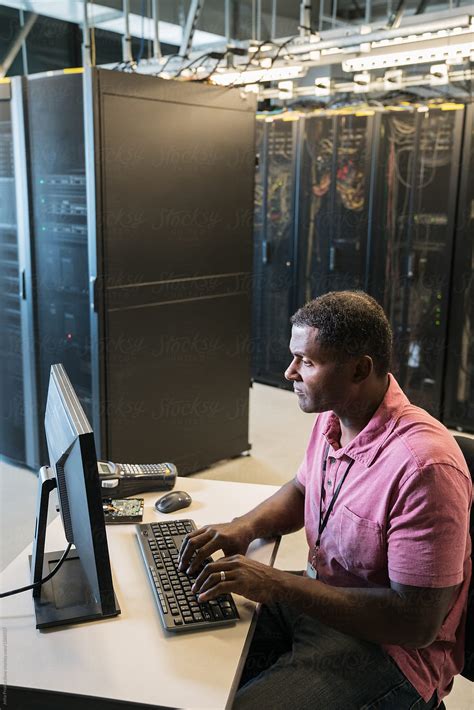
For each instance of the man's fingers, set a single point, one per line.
(216, 591)
(213, 569)
(191, 544)
(201, 555)
(212, 581)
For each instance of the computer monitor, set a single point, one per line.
(82, 588)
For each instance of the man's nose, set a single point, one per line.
(291, 373)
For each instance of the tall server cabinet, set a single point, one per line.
(17, 347)
(141, 192)
(459, 383)
(12, 402)
(58, 228)
(419, 157)
(274, 279)
(334, 203)
(259, 244)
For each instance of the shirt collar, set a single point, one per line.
(366, 445)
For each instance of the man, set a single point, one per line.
(384, 494)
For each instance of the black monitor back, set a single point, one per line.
(82, 588)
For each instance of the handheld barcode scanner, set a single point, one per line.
(119, 480)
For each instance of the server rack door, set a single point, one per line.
(459, 381)
(12, 437)
(259, 242)
(174, 192)
(28, 343)
(275, 287)
(334, 203)
(59, 233)
(351, 182)
(420, 162)
(316, 205)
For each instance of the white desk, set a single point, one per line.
(131, 658)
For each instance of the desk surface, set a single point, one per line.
(131, 657)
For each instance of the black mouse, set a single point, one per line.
(173, 501)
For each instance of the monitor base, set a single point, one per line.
(66, 598)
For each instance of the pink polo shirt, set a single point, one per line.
(402, 514)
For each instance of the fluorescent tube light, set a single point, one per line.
(258, 75)
(415, 56)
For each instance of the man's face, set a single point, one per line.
(320, 382)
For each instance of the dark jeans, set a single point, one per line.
(297, 662)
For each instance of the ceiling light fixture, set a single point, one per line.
(257, 76)
(416, 56)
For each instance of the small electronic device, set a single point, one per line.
(122, 510)
(120, 480)
(173, 501)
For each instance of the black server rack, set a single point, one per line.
(334, 202)
(58, 226)
(17, 349)
(12, 401)
(275, 249)
(259, 242)
(142, 207)
(416, 190)
(458, 410)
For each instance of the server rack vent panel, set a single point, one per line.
(11, 378)
(59, 229)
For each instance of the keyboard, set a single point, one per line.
(178, 607)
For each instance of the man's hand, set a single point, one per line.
(232, 538)
(243, 576)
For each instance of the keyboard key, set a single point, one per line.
(217, 613)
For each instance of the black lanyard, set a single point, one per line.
(323, 522)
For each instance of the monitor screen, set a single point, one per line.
(82, 588)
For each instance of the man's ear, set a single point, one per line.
(362, 369)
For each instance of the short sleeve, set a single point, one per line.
(301, 475)
(428, 528)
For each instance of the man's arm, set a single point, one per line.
(401, 615)
(280, 514)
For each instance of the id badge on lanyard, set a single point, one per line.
(311, 569)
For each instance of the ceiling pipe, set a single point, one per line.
(396, 18)
(156, 29)
(17, 44)
(24, 53)
(190, 26)
(421, 7)
(305, 18)
(127, 55)
(227, 22)
(86, 37)
(274, 18)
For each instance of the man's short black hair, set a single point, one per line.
(351, 323)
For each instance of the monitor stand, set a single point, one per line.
(67, 597)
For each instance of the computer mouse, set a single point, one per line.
(173, 501)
